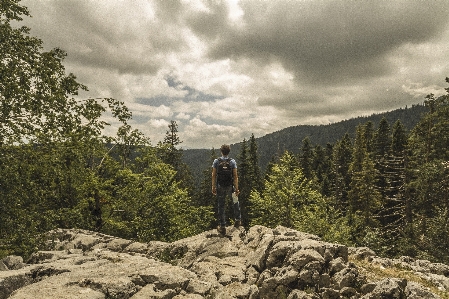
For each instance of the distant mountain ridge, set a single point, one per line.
(291, 138)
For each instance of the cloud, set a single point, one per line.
(226, 69)
(329, 42)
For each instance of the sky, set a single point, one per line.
(224, 70)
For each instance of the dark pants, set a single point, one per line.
(222, 193)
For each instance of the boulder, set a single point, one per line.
(254, 264)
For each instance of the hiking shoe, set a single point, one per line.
(221, 229)
(237, 223)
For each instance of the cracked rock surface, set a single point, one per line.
(258, 263)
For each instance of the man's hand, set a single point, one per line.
(214, 190)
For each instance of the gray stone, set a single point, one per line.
(304, 256)
(137, 247)
(259, 240)
(3, 266)
(286, 276)
(362, 253)
(11, 281)
(330, 294)
(260, 263)
(416, 291)
(337, 265)
(299, 294)
(348, 292)
(368, 287)
(390, 288)
(198, 287)
(118, 244)
(13, 262)
(149, 291)
(279, 252)
(347, 277)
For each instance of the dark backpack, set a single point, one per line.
(224, 172)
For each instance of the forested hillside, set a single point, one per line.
(291, 138)
(381, 182)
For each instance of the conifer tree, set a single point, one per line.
(244, 180)
(341, 159)
(427, 172)
(429, 144)
(393, 215)
(255, 174)
(290, 200)
(59, 136)
(322, 167)
(363, 197)
(369, 137)
(306, 158)
(382, 146)
(283, 195)
(382, 139)
(204, 196)
(399, 139)
(172, 155)
(327, 183)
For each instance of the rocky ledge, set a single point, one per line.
(258, 263)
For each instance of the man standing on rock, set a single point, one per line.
(225, 182)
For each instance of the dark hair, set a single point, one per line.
(225, 149)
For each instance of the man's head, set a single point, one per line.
(225, 149)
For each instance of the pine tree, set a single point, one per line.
(429, 143)
(393, 215)
(306, 158)
(290, 200)
(244, 181)
(204, 196)
(369, 137)
(341, 159)
(382, 146)
(255, 174)
(50, 139)
(363, 197)
(285, 191)
(172, 155)
(427, 183)
(321, 166)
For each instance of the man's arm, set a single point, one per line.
(236, 181)
(214, 181)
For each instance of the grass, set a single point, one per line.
(375, 273)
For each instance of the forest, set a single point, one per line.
(385, 187)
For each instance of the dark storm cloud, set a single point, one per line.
(125, 41)
(326, 41)
(240, 66)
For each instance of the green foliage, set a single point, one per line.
(204, 196)
(306, 158)
(290, 139)
(284, 192)
(254, 171)
(341, 179)
(290, 200)
(170, 154)
(438, 236)
(363, 196)
(385, 189)
(58, 170)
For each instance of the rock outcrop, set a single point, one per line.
(258, 263)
